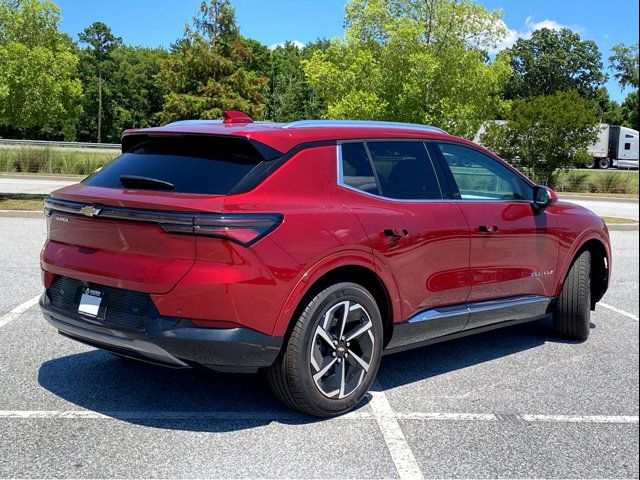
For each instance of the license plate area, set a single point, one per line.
(92, 303)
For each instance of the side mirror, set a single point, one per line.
(543, 197)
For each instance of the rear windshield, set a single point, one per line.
(192, 164)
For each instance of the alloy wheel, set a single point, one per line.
(341, 349)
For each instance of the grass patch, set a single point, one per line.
(568, 195)
(598, 182)
(53, 161)
(21, 202)
(616, 220)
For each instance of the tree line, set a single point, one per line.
(423, 61)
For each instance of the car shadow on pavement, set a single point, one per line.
(159, 397)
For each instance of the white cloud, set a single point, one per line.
(527, 30)
(297, 43)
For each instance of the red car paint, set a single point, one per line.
(444, 258)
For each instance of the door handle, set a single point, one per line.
(396, 232)
(489, 228)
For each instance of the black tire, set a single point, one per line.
(572, 315)
(603, 163)
(292, 375)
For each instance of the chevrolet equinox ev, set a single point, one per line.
(309, 249)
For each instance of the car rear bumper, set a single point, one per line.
(172, 342)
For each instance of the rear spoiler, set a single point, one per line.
(253, 148)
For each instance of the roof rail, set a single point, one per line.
(194, 122)
(361, 124)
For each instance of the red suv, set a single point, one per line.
(309, 249)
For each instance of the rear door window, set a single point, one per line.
(356, 168)
(192, 164)
(404, 170)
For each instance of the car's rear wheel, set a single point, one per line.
(333, 352)
(572, 315)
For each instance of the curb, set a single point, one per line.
(623, 227)
(570, 197)
(21, 214)
(27, 176)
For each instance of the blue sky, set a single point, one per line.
(159, 22)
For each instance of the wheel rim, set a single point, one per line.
(341, 349)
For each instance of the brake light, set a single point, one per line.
(244, 228)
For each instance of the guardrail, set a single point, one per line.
(48, 143)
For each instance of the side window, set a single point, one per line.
(627, 146)
(480, 177)
(356, 168)
(404, 170)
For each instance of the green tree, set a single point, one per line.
(631, 111)
(415, 61)
(136, 97)
(205, 73)
(101, 43)
(290, 97)
(131, 96)
(39, 91)
(547, 133)
(552, 61)
(624, 62)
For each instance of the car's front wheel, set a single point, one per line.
(333, 352)
(572, 315)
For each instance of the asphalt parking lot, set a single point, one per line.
(509, 403)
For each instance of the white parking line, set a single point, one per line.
(19, 310)
(401, 454)
(618, 310)
(457, 417)
(581, 418)
(380, 413)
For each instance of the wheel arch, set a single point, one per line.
(354, 272)
(600, 267)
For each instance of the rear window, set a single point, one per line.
(192, 164)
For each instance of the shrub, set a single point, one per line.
(613, 183)
(60, 161)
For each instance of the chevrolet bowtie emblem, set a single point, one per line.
(89, 211)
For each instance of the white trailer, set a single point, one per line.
(615, 147)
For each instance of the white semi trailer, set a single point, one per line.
(615, 147)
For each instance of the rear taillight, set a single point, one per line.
(244, 228)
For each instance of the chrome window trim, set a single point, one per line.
(373, 195)
(495, 158)
(341, 183)
(517, 175)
